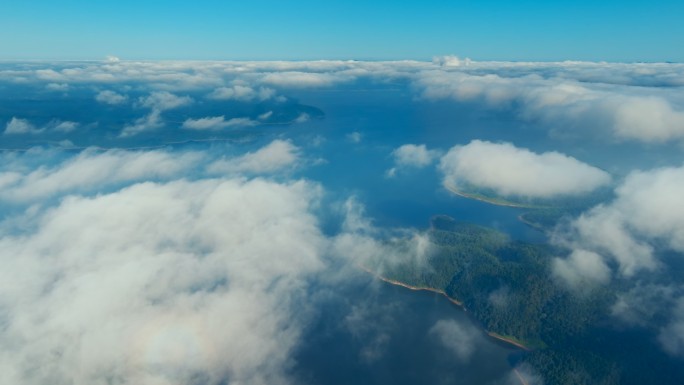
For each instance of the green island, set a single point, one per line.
(509, 288)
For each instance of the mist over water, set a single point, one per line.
(372, 332)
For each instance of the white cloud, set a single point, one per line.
(647, 213)
(242, 93)
(20, 126)
(648, 119)
(66, 126)
(265, 115)
(92, 170)
(582, 269)
(450, 61)
(111, 97)
(163, 100)
(149, 122)
(24, 126)
(276, 156)
(217, 123)
(302, 118)
(60, 87)
(456, 337)
(513, 171)
(362, 242)
(160, 284)
(298, 79)
(563, 103)
(158, 102)
(411, 155)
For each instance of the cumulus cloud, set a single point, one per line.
(456, 337)
(648, 119)
(242, 93)
(111, 97)
(513, 171)
(412, 155)
(278, 155)
(20, 126)
(180, 282)
(217, 123)
(645, 215)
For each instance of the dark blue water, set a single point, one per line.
(387, 119)
(371, 332)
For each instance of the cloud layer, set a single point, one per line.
(160, 283)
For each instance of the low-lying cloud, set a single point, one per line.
(459, 339)
(217, 123)
(111, 98)
(165, 283)
(242, 93)
(513, 171)
(91, 170)
(278, 155)
(646, 214)
(20, 126)
(411, 156)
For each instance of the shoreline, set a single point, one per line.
(491, 201)
(416, 288)
(508, 341)
(458, 303)
(455, 191)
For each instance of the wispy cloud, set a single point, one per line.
(217, 123)
(20, 126)
(111, 97)
(278, 155)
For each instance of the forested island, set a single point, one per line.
(509, 288)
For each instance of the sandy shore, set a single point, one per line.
(452, 300)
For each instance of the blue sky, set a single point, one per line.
(303, 29)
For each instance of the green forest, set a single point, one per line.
(509, 288)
